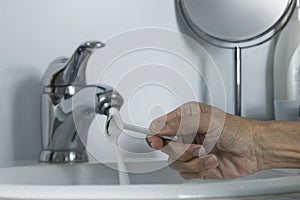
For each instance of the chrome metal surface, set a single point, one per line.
(244, 41)
(65, 72)
(69, 106)
(63, 156)
(238, 80)
(233, 41)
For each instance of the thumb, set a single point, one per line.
(184, 127)
(180, 151)
(206, 121)
(169, 123)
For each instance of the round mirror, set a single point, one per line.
(234, 23)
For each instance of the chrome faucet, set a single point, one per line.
(69, 106)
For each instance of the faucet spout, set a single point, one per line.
(69, 106)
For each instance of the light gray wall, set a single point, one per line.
(34, 32)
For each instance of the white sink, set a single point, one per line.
(82, 174)
(98, 181)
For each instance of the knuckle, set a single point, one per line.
(187, 155)
(196, 165)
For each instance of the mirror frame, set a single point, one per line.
(245, 43)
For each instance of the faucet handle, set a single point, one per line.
(90, 45)
(65, 72)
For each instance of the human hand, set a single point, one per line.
(211, 143)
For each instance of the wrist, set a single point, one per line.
(277, 144)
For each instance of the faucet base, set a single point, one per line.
(51, 156)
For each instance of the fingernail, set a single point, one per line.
(211, 161)
(202, 152)
(154, 142)
(149, 142)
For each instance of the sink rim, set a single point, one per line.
(207, 189)
(226, 189)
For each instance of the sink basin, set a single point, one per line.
(99, 181)
(82, 174)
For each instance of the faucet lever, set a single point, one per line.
(71, 71)
(75, 70)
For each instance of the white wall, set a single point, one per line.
(34, 32)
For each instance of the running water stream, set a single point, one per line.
(114, 128)
(113, 133)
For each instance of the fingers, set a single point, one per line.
(185, 158)
(195, 165)
(184, 127)
(170, 122)
(190, 119)
(175, 150)
(196, 168)
(185, 119)
(155, 142)
(207, 174)
(201, 175)
(180, 151)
